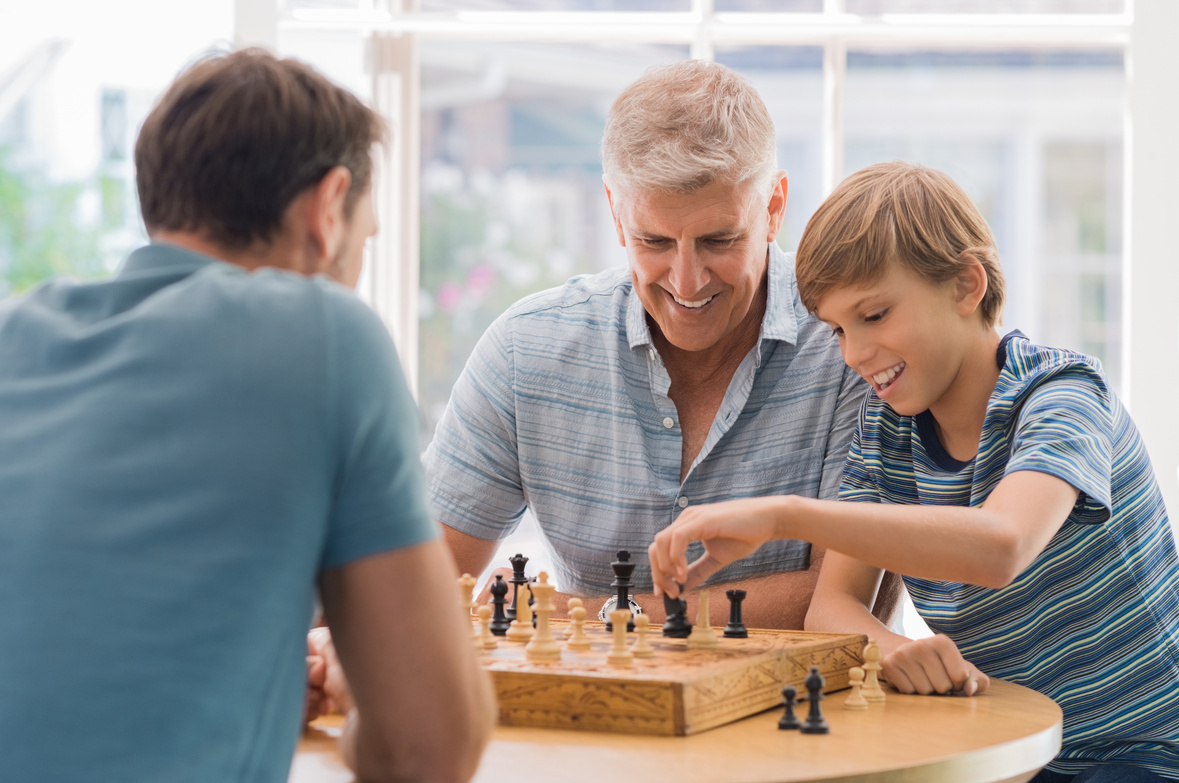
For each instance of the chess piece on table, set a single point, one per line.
(872, 690)
(578, 640)
(814, 723)
(676, 609)
(486, 637)
(467, 589)
(521, 629)
(543, 646)
(619, 655)
(736, 627)
(643, 648)
(572, 604)
(499, 621)
(788, 720)
(855, 700)
(702, 636)
(518, 578)
(623, 568)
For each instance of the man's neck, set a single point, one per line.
(277, 254)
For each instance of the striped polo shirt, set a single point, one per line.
(563, 408)
(1094, 621)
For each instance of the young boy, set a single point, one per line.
(1003, 479)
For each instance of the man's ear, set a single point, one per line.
(777, 205)
(614, 214)
(970, 286)
(326, 223)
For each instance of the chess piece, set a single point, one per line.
(788, 720)
(543, 646)
(643, 648)
(578, 640)
(702, 636)
(486, 637)
(499, 621)
(676, 609)
(736, 627)
(521, 629)
(572, 604)
(518, 562)
(467, 589)
(619, 655)
(623, 568)
(872, 690)
(814, 723)
(855, 700)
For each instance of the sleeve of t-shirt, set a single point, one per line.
(473, 462)
(1064, 429)
(379, 502)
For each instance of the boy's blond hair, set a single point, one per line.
(896, 212)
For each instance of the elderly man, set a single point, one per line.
(612, 403)
(191, 447)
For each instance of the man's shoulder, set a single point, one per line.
(601, 294)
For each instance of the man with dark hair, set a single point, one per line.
(193, 446)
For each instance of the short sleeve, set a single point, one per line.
(379, 502)
(857, 485)
(473, 462)
(1065, 429)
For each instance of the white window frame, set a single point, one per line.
(1144, 32)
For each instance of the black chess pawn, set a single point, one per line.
(676, 609)
(814, 692)
(499, 620)
(518, 562)
(789, 721)
(736, 627)
(623, 568)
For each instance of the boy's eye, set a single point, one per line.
(837, 331)
(875, 316)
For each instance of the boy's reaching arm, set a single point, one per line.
(846, 589)
(989, 545)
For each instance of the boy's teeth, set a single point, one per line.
(686, 303)
(882, 378)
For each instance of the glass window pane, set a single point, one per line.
(76, 81)
(790, 80)
(511, 184)
(1036, 139)
(869, 7)
(771, 6)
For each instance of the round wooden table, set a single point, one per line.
(1007, 733)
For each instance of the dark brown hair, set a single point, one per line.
(238, 136)
(896, 213)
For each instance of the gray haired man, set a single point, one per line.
(608, 405)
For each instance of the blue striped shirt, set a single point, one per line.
(1094, 621)
(563, 408)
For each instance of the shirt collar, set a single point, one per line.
(158, 256)
(780, 321)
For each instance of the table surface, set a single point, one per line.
(1007, 733)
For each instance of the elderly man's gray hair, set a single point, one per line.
(686, 125)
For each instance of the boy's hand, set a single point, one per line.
(729, 531)
(327, 689)
(932, 665)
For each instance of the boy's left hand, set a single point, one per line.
(729, 532)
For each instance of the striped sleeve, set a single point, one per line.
(1064, 429)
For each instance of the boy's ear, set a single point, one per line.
(971, 286)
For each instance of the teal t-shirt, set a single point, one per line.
(183, 448)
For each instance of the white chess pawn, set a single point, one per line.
(486, 637)
(855, 700)
(573, 604)
(872, 689)
(521, 629)
(578, 641)
(643, 648)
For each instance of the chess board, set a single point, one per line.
(677, 692)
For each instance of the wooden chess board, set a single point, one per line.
(679, 691)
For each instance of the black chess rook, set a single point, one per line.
(736, 627)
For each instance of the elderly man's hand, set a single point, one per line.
(327, 689)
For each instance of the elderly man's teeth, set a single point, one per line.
(693, 305)
(884, 377)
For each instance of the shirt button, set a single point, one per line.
(682, 502)
(669, 422)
